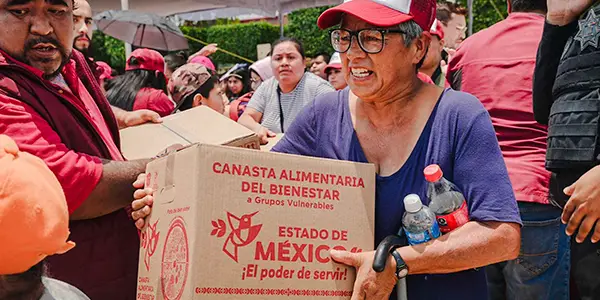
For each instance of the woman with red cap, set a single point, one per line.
(143, 86)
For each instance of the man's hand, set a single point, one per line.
(142, 204)
(583, 208)
(205, 51)
(563, 12)
(133, 118)
(369, 284)
(264, 135)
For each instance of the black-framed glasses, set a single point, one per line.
(370, 40)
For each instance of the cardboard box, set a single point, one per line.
(272, 142)
(197, 125)
(232, 223)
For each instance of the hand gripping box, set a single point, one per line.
(233, 223)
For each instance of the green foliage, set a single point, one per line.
(109, 50)
(303, 26)
(240, 39)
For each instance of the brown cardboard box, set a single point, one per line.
(272, 142)
(232, 223)
(197, 125)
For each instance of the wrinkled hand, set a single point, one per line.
(563, 12)
(142, 204)
(583, 208)
(264, 135)
(205, 51)
(369, 284)
(139, 117)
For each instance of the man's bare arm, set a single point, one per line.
(471, 246)
(114, 191)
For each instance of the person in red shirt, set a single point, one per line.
(52, 106)
(496, 65)
(143, 86)
(432, 63)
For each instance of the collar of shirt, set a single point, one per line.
(69, 72)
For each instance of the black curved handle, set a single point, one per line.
(389, 244)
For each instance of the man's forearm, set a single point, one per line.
(471, 246)
(114, 191)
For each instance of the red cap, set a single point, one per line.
(433, 173)
(382, 13)
(146, 59)
(437, 29)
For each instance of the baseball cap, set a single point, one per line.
(34, 220)
(334, 63)
(145, 59)
(437, 29)
(382, 13)
(203, 60)
(187, 79)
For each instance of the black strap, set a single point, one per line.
(280, 109)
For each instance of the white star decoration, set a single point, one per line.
(589, 31)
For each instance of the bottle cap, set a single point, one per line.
(412, 203)
(433, 173)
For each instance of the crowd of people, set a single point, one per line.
(510, 114)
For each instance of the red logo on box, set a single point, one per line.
(242, 232)
(175, 260)
(149, 242)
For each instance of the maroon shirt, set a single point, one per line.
(496, 65)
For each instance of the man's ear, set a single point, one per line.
(422, 46)
(197, 101)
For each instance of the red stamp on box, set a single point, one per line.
(175, 261)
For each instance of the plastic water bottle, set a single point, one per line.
(418, 221)
(446, 202)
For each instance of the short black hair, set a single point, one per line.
(529, 5)
(294, 41)
(326, 57)
(445, 10)
(175, 60)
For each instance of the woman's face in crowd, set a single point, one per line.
(255, 80)
(287, 63)
(336, 78)
(235, 85)
(318, 66)
(372, 77)
(214, 100)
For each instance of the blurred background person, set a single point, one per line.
(260, 71)
(34, 224)
(106, 74)
(277, 102)
(238, 82)
(174, 61)
(193, 85)
(335, 76)
(432, 64)
(143, 86)
(454, 23)
(318, 65)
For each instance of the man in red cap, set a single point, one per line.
(34, 224)
(502, 78)
(53, 107)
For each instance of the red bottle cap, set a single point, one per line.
(433, 173)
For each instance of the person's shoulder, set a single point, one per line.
(330, 102)
(460, 106)
(314, 80)
(55, 289)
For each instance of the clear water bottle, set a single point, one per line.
(446, 202)
(418, 221)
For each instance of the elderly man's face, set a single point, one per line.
(37, 32)
(82, 19)
(377, 77)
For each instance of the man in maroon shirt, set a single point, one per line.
(496, 65)
(52, 106)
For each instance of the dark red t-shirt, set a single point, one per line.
(496, 65)
(154, 99)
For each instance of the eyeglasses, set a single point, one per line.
(369, 40)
